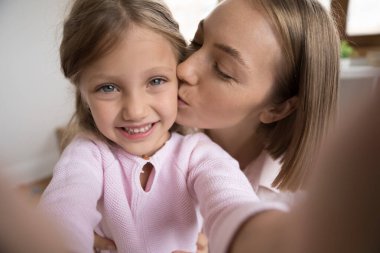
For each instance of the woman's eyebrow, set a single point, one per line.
(199, 29)
(200, 24)
(232, 52)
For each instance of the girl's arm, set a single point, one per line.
(224, 194)
(72, 195)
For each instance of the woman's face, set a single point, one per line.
(228, 80)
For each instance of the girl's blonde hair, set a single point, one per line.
(309, 70)
(93, 28)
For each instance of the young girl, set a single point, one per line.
(125, 174)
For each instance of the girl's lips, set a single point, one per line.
(138, 129)
(135, 133)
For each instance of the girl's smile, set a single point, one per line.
(132, 92)
(137, 132)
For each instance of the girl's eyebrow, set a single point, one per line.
(104, 76)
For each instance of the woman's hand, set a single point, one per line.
(202, 245)
(101, 243)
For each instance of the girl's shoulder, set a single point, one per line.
(193, 140)
(88, 147)
(198, 146)
(86, 141)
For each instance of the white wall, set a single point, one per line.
(188, 13)
(35, 98)
(357, 82)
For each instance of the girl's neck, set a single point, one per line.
(241, 145)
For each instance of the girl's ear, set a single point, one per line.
(278, 112)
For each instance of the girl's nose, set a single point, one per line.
(187, 71)
(134, 108)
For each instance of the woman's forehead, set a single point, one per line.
(237, 18)
(237, 25)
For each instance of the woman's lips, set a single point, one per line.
(182, 102)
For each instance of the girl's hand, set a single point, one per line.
(102, 243)
(202, 245)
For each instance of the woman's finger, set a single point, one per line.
(102, 243)
(202, 243)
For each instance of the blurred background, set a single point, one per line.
(36, 100)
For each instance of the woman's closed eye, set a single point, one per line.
(222, 75)
(194, 45)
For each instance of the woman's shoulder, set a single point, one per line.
(262, 171)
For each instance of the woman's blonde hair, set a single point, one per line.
(93, 28)
(309, 70)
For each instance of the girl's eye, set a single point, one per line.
(157, 81)
(107, 88)
(221, 74)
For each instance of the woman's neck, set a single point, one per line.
(241, 145)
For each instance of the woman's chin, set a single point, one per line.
(184, 120)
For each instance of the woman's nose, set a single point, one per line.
(187, 71)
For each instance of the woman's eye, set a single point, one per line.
(108, 88)
(157, 81)
(221, 74)
(194, 45)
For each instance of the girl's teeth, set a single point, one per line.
(138, 130)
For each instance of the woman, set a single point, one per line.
(258, 82)
(260, 87)
(262, 81)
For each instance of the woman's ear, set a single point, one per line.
(278, 112)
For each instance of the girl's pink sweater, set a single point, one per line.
(96, 186)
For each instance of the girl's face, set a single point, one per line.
(228, 80)
(132, 91)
